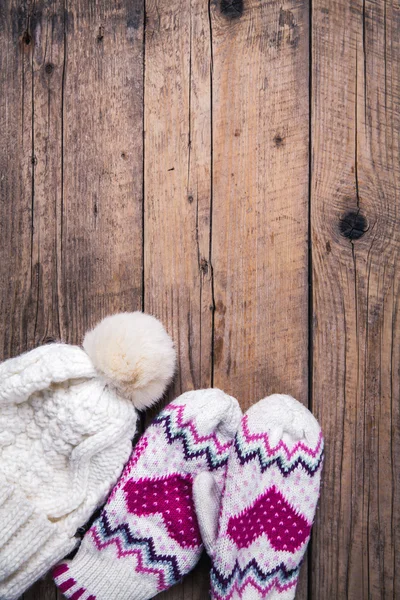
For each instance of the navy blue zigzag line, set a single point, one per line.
(147, 542)
(189, 454)
(225, 582)
(283, 469)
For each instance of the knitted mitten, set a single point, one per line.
(268, 505)
(147, 536)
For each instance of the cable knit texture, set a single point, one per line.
(268, 504)
(147, 536)
(65, 436)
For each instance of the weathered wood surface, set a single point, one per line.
(260, 201)
(355, 218)
(71, 171)
(177, 197)
(158, 155)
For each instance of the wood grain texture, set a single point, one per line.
(177, 271)
(103, 162)
(177, 199)
(260, 199)
(355, 248)
(71, 170)
(158, 156)
(16, 181)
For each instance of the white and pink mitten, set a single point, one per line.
(258, 530)
(147, 536)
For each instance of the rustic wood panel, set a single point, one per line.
(71, 171)
(184, 188)
(260, 200)
(103, 162)
(177, 198)
(177, 273)
(356, 242)
(16, 177)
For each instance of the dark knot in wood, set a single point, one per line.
(353, 225)
(26, 38)
(49, 68)
(233, 9)
(204, 266)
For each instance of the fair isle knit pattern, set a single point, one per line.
(147, 536)
(269, 502)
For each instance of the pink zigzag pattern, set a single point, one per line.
(263, 437)
(239, 589)
(140, 568)
(126, 473)
(198, 438)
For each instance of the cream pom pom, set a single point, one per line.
(135, 355)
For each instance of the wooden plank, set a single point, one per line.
(178, 182)
(356, 242)
(29, 188)
(17, 280)
(177, 274)
(46, 26)
(71, 101)
(101, 237)
(260, 200)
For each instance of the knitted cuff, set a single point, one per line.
(29, 545)
(91, 576)
(23, 529)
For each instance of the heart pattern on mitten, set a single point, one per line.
(270, 514)
(172, 498)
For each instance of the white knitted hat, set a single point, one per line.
(67, 418)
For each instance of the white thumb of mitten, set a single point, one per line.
(207, 501)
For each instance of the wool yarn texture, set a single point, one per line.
(147, 536)
(258, 531)
(67, 418)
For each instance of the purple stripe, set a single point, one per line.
(66, 585)
(60, 570)
(77, 594)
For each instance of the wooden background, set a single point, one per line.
(233, 168)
